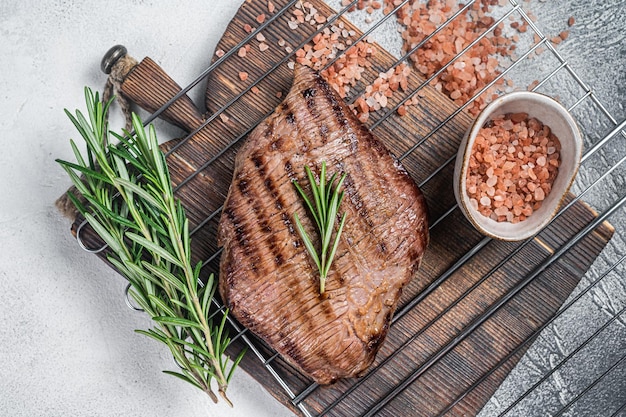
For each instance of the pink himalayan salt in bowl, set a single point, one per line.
(561, 123)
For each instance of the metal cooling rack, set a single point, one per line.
(602, 166)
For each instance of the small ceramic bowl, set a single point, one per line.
(551, 114)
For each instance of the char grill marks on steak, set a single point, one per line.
(267, 278)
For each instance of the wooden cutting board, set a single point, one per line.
(424, 346)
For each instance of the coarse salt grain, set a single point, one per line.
(474, 70)
(510, 186)
(346, 70)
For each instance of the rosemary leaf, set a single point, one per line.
(195, 348)
(307, 242)
(142, 300)
(141, 192)
(183, 377)
(324, 210)
(206, 293)
(105, 234)
(77, 203)
(308, 204)
(153, 248)
(131, 206)
(176, 321)
(334, 248)
(164, 276)
(235, 364)
(90, 173)
(162, 305)
(151, 333)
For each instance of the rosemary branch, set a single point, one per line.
(324, 208)
(131, 206)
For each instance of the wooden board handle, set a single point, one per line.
(149, 86)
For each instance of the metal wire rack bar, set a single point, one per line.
(587, 94)
(436, 284)
(386, 115)
(532, 337)
(211, 67)
(619, 410)
(241, 333)
(563, 361)
(556, 53)
(442, 69)
(298, 400)
(494, 308)
(411, 304)
(253, 84)
(286, 59)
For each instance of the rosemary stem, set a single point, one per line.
(190, 279)
(133, 208)
(326, 201)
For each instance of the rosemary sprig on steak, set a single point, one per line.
(326, 201)
(131, 206)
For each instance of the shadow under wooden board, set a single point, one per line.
(430, 350)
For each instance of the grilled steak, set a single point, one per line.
(268, 279)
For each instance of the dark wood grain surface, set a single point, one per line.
(430, 344)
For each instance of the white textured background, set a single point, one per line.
(67, 344)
